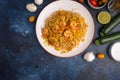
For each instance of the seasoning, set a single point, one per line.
(114, 5)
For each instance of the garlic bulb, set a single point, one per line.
(38, 2)
(89, 57)
(31, 7)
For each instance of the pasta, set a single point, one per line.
(64, 30)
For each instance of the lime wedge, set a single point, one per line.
(104, 17)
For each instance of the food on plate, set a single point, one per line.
(31, 19)
(31, 7)
(108, 38)
(89, 57)
(115, 51)
(104, 17)
(110, 26)
(38, 2)
(100, 55)
(64, 30)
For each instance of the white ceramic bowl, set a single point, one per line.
(115, 51)
(71, 6)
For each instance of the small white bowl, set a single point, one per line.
(96, 7)
(115, 51)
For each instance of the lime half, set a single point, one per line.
(104, 17)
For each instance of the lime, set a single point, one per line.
(104, 17)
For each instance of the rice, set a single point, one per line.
(64, 30)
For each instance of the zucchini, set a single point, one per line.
(108, 27)
(108, 38)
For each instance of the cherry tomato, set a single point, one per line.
(93, 2)
(31, 19)
(81, 1)
(100, 55)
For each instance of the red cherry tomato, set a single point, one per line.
(81, 1)
(93, 2)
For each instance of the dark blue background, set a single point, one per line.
(23, 58)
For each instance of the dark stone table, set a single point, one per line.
(23, 58)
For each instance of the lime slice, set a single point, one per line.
(104, 17)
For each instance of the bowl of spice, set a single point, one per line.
(97, 4)
(114, 5)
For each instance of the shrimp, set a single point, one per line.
(73, 23)
(45, 31)
(68, 34)
(62, 23)
(62, 18)
(56, 29)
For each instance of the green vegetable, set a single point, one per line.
(108, 27)
(108, 38)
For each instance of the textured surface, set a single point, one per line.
(22, 57)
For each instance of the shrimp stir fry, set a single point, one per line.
(64, 30)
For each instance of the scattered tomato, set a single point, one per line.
(100, 55)
(81, 1)
(31, 19)
(93, 2)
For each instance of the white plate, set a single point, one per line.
(65, 5)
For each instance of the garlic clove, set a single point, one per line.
(38, 2)
(31, 7)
